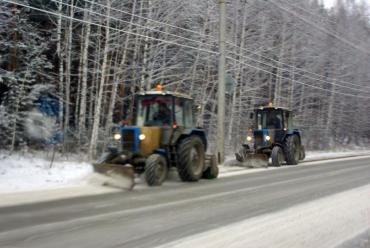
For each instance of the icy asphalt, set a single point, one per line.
(168, 214)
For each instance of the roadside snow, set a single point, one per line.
(317, 155)
(326, 222)
(28, 173)
(32, 172)
(231, 167)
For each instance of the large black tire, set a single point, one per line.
(156, 170)
(292, 150)
(302, 154)
(277, 156)
(212, 171)
(191, 159)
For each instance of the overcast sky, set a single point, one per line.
(330, 3)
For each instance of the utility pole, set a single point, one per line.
(221, 85)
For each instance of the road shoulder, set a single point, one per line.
(89, 189)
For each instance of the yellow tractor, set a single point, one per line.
(164, 135)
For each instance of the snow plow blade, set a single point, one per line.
(115, 175)
(257, 160)
(252, 160)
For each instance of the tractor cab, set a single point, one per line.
(164, 110)
(162, 134)
(272, 125)
(273, 136)
(159, 116)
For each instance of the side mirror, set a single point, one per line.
(251, 115)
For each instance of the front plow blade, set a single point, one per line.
(257, 160)
(114, 175)
(252, 160)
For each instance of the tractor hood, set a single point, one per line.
(262, 137)
(140, 140)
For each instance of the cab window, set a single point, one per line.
(179, 112)
(154, 111)
(188, 113)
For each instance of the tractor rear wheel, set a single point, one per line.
(292, 150)
(277, 156)
(155, 170)
(212, 171)
(191, 158)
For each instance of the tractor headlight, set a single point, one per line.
(117, 136)
(249, 138)
(268, 138)
(142, 137)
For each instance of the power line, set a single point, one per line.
(244, 49)
(308, 12)
(303, 75)
(174, 43)
(181, 37)
(152, 20)
(293, 67)
(115, 29)
(296, 81)
(313, 14)
(134, 24)
(320, 28)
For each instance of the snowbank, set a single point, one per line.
(32, 172)
(317, 155)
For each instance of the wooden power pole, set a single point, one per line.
(221, 86)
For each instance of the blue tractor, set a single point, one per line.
(162, 135)
(273, 137)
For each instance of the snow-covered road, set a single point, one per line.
(326, 222)
(31, 172)
(317, 205)
(28, 178)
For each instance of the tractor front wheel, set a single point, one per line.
(292, 149)
(191, 158)
(277, 156)
(212, 171)
(155, 170)
(302, 154)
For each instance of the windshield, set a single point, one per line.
(269, 119)
(154, 111)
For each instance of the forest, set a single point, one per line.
(83, 62)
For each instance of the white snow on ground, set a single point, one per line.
(28, 172)
(32, 172)
(28, 178)
(316, 155)
(233, 167)
(326, 222)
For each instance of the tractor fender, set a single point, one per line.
(293, 132)
(196, 132)
(164, 153)
(278, 144)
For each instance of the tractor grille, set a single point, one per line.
(258, 138)
(128, 140)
